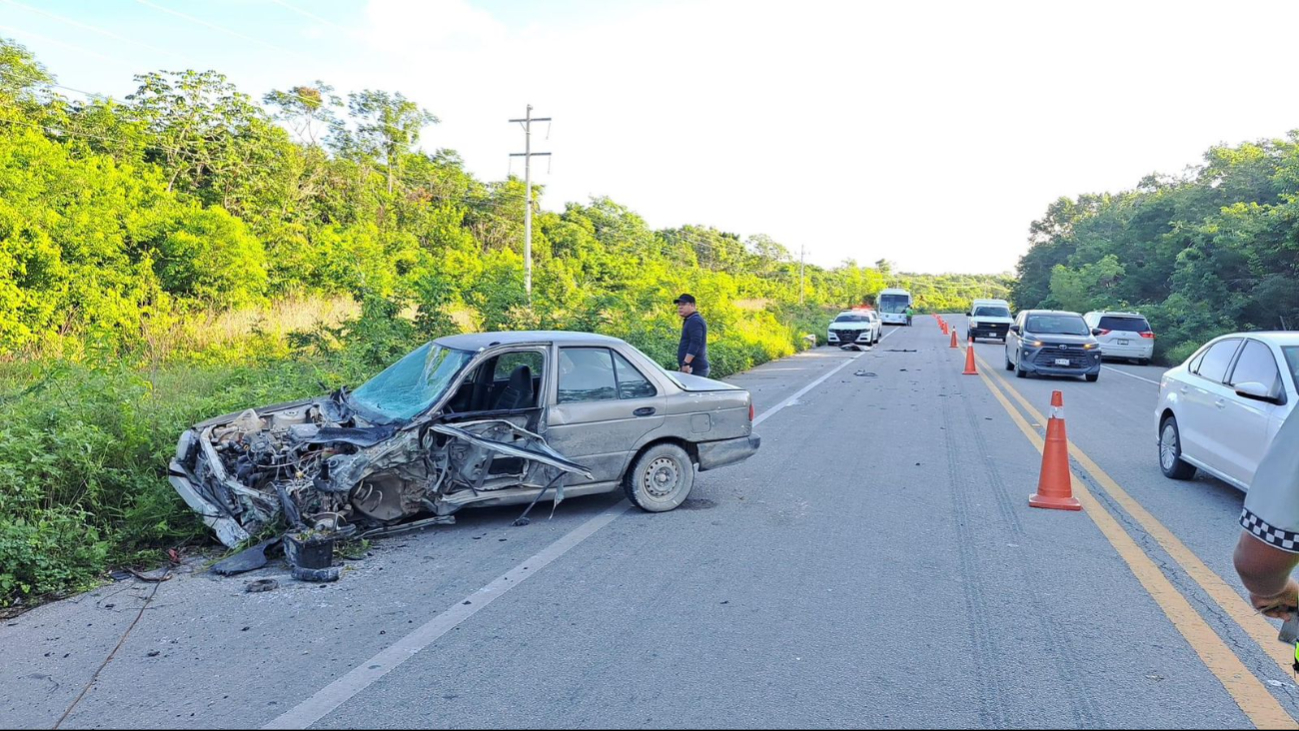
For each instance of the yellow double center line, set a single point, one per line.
(1254, 700)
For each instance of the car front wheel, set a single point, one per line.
(1170, 452)
(660, 479)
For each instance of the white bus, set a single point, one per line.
(893, 305)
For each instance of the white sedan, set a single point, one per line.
(1220, 410)
(856, 327)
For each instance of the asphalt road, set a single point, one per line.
(876, 564)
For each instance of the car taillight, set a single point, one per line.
(1148, 336)
(750, 412)
(1105, 332)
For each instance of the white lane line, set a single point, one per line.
(1129, 375)
(367, 673)
(329, 698)
(794, 399)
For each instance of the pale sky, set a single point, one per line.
(928, 133)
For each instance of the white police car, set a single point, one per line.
(857, 327)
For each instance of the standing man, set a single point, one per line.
(1268, 549)
(692, 353)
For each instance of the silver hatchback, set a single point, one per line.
(484, 419)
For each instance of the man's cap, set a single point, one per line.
(685, 299)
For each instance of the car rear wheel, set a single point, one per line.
(1170, 452)
(660, 479)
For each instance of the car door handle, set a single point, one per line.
(644, 411)
(1220, 403)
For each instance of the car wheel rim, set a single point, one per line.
(661, 478)
(1168, 447)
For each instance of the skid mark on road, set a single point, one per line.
(1263, 710)
(1085, 709)
(1258, 628)
(994, 703)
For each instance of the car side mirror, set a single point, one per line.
(1096, 331)
(1256, 391)
(1014, 329)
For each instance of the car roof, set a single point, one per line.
(1052, 312)
(479, 341)
(1271, 337)
(1116, 313)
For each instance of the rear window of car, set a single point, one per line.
(1124, 324)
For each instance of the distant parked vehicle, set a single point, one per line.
(855, 327)
(1123, 335)
(1220, 410)
(1052, 343)
(893, 306)
(989, 319)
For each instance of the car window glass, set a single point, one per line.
(631, 382)
(1057, 325)
(1257, 365)
(586, 374)
(1124, 324)
(1292, 360)
(991, 311)
(1214, 364)
(851, 317)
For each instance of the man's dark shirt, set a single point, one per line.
(694, 341)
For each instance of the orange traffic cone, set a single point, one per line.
(943, 324)
(1055, 486)
(954, 344)
(970, 370)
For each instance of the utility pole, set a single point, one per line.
(802, 256)
(527, 156)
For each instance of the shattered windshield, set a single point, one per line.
(412, 384)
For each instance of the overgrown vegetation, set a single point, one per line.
(186, 252)
(1211, 251)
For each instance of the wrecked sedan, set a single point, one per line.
(482, 419)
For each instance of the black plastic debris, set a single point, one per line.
(320, 576)
(249, 559)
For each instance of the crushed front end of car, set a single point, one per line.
(323, 465)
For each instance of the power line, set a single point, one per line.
(92, 28)
(312, 16)
(219, 28)
(65, 44)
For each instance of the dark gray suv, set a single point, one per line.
(1052, 343)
